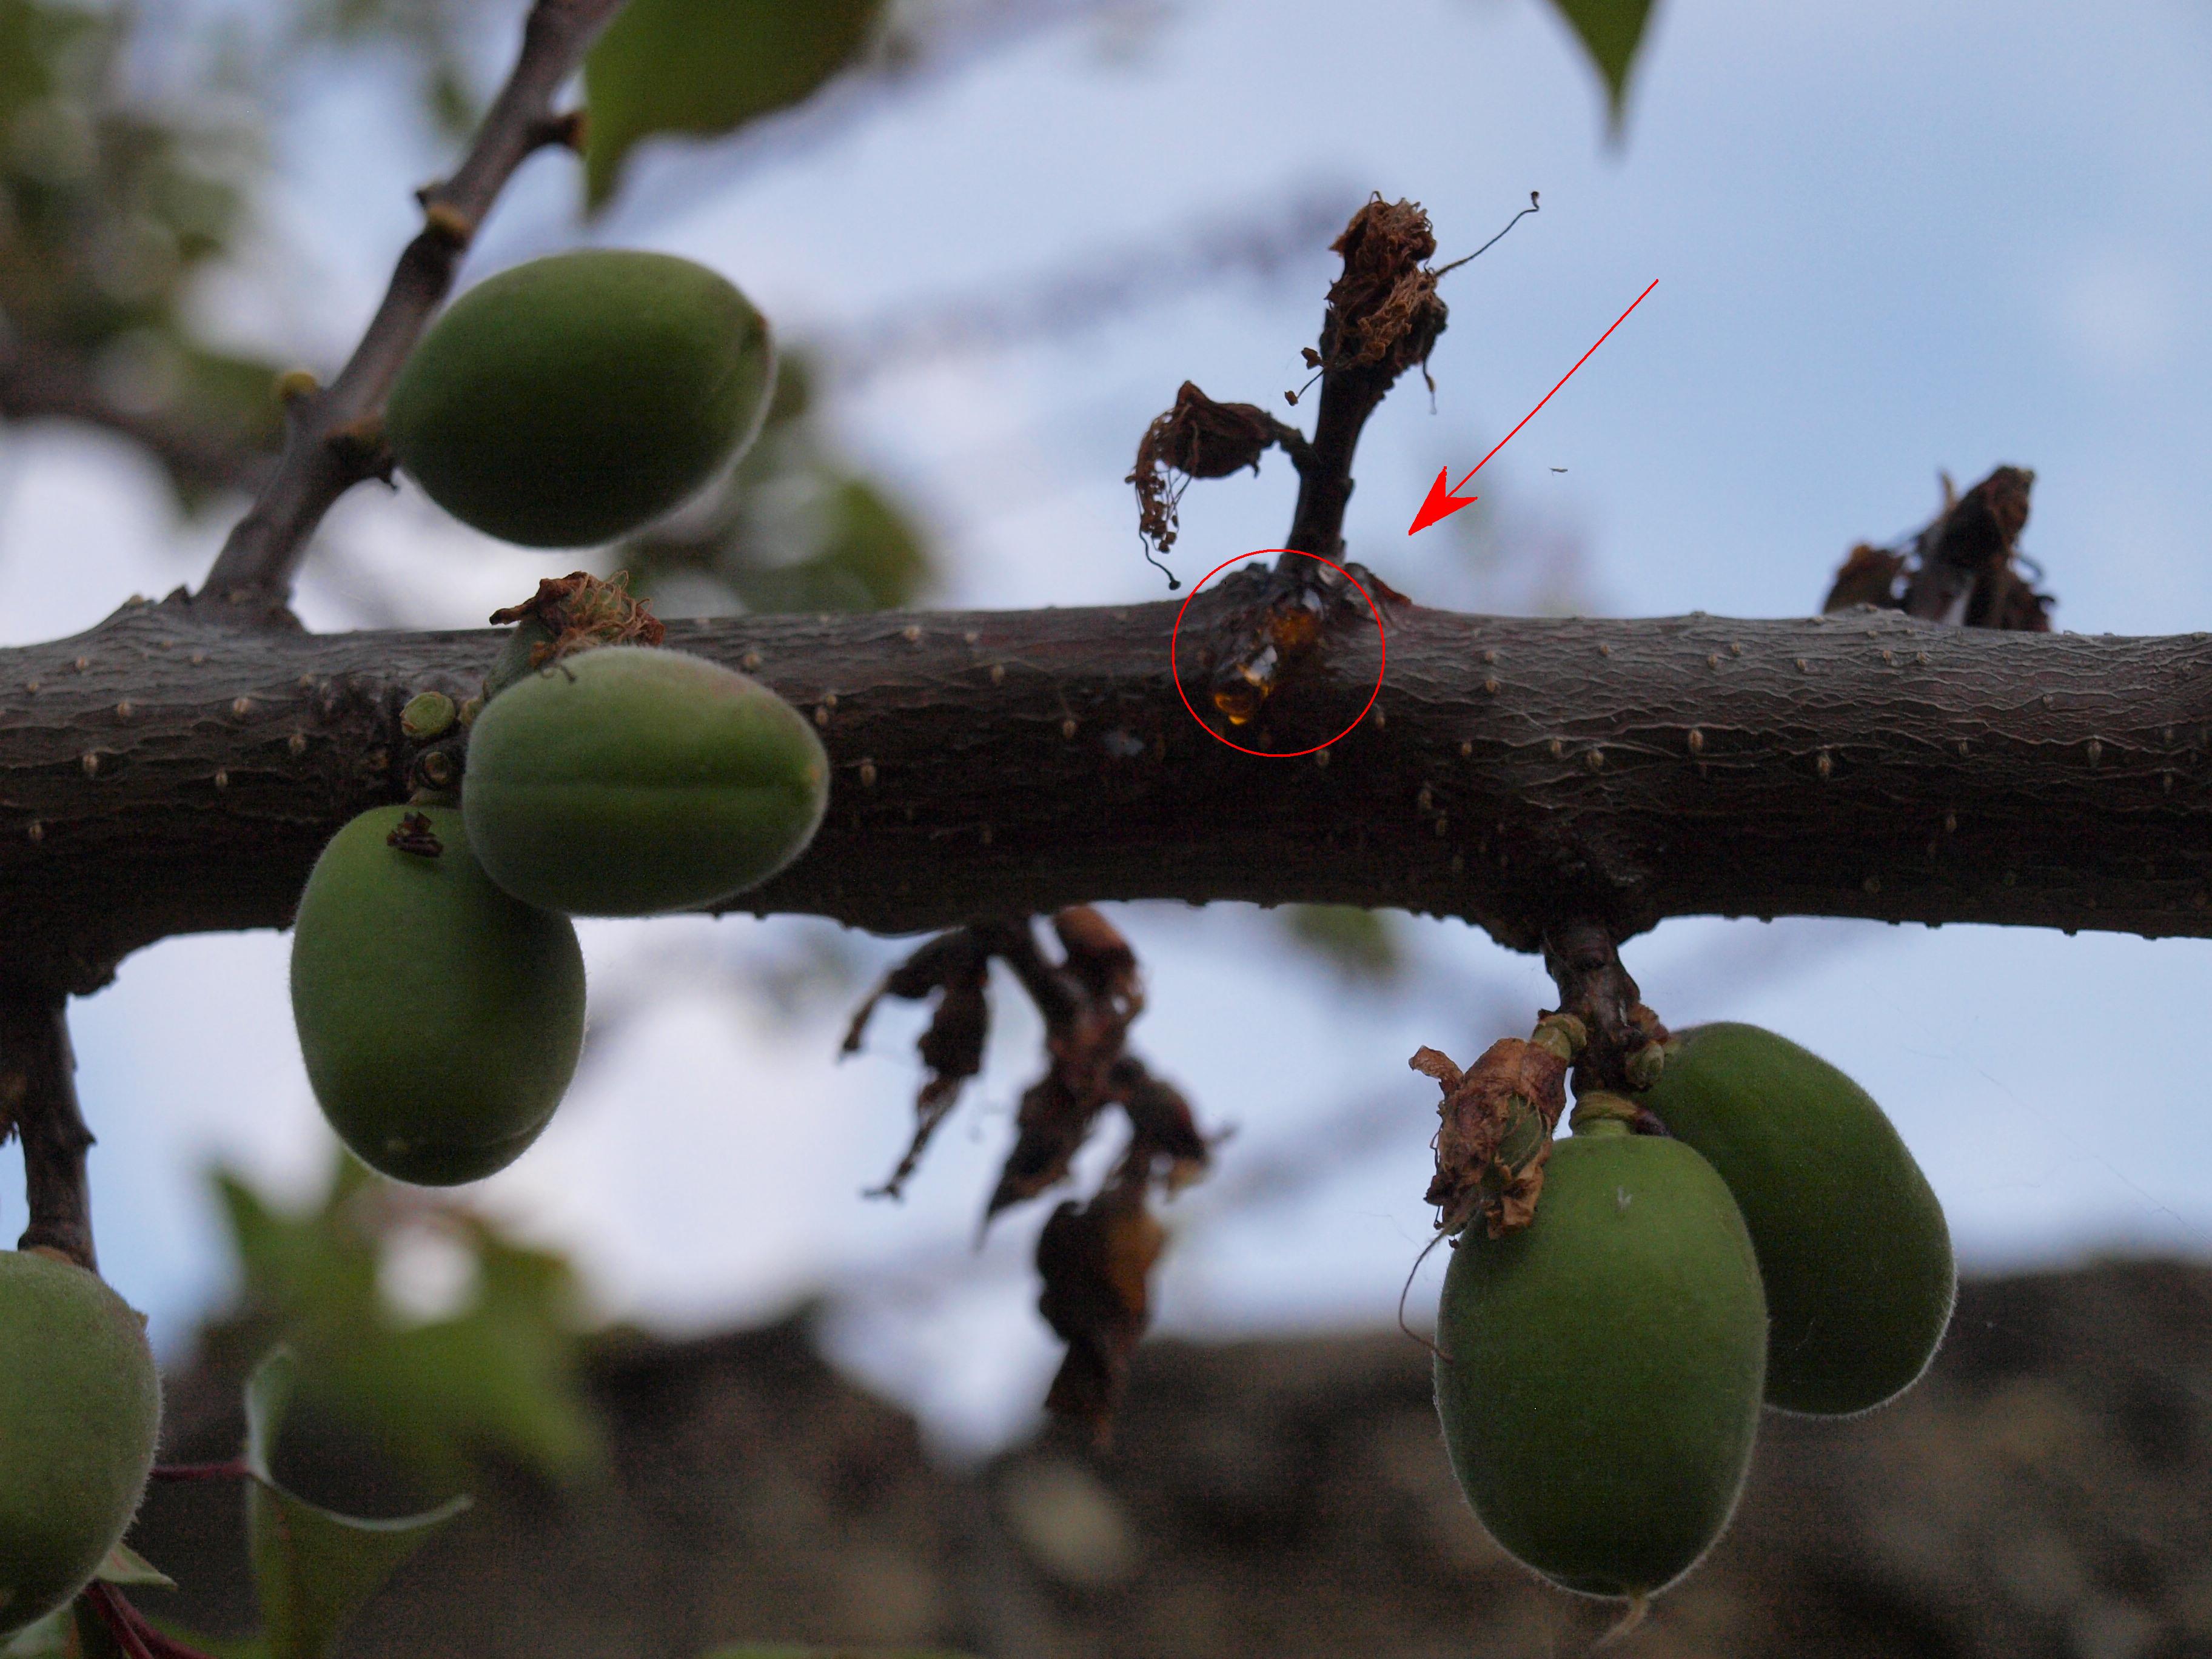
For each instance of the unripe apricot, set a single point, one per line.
(441, 1019)
(627, 781)
(1601, 1370)
(574, 398)
(80, 1410)
(1851, 1241)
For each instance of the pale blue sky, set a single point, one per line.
(1888, 237)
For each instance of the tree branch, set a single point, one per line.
(36, 379)
(332, 444)
(163, 773)
(38, 1095)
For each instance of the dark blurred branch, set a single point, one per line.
(36, 380)
(334, 443)
(1102, 286)
(38, 1096)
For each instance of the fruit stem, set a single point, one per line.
(38, 1096)
(1585, 963)
(1600, 1112)
(1639, 1605)
(137, 1639)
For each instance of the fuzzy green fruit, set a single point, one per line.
(80, 1410)
(1600, 1386)
(441, 1019)
(574, 398)
(1851, 1241)
(627, 780)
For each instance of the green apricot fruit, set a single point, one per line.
(629, 781)
(441, 1019)
(1600, 1370)
(1851, 1241)
(80, 1410)
(574, 398)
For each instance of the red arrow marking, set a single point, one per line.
(1442, 502)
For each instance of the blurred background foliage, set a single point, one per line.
(135, 157)
(134, 147)
(135, 164)
(795, 527)
(416, 1319)
(128, 177)
(115, 198)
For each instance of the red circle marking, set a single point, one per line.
(1174, 670)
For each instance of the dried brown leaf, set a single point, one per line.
(1163, 1129)
(580, 611)
(1496, 1132)
(1100, 958)
(1096, 1260)
(2005, 600)
(1962, 568)
(1384, 309)
(1869, 576)
(1053, 1122)
(1198, 437)
(957, 969)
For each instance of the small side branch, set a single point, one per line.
(1594, 987)
(1383, 317)
(333, 442)
(38, 1097)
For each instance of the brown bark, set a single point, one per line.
(1517, 772)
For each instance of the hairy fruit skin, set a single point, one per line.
(576, 399)
(441, 1019)
(1600, 1387)
(627, 781)
(1852, 1243)
(80, 1411)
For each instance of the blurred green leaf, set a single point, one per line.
(1359, 943)
(707, 67)
(793, 528)
(313, 1569)
(867, 558)
(501, 1374)
(1610, 31)
(112, 204)
(50, 1638)
(125, 1565)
